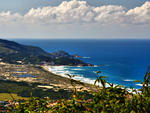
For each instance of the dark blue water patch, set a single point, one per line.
(26, 75)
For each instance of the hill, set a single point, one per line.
(12, 52)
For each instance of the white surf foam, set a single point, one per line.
(78, 69)
(128, 80)
(86, 57)
(62, 71)
(139, 84)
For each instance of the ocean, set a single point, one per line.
(121, 60)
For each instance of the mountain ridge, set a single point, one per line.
(12, 52)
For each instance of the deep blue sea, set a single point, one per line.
(121, 60)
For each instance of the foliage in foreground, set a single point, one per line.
(112, 99)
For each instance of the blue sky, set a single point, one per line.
(75, 19)
(24, 5)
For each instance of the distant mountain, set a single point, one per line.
(10, 47)
(12, 52)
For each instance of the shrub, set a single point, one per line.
(112, 99)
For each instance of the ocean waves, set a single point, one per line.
(88, 75)
(64, 70)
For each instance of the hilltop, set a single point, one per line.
(12, 52)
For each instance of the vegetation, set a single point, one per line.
(12, 52)
(68, 61)
(23, 89)
(112, 99)
(8, 97)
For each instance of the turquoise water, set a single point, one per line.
(122, 61)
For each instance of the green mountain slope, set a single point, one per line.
(12, 52)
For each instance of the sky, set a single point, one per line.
(75, 19)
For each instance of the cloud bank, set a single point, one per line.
(75, 15)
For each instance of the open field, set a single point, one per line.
(7, 97)
(42, 83)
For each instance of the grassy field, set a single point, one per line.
(24, 89)
(7, 96)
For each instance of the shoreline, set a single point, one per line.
(64, 74)
(45, 78)
(87, 85)
(46, 75)
(77, 77)
(41, 75)
(82, 79)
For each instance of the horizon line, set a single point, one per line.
(75, 38)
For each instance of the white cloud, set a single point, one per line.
(9, 17)
(80, 12)
(140, 15)
(75, 14)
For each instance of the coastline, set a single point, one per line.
(41, 83)
(44, 79)
(40, 74)
(61, 71)
(80, 78)
(47, 76)
(55, 70)
(87, 85)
